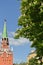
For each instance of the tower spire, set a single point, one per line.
(4, 34)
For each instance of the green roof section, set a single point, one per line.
(4, 34)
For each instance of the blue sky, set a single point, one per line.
(10, 10)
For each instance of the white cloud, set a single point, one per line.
(16, 42)
(20, 41)
(0, 34)
(11, 48)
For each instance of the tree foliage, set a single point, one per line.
(22, 63)
(33, 61)
(31, 22)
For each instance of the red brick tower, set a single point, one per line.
(6, 56)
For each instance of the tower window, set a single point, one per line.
(7, 43)
(4, 38)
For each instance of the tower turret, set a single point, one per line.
(6, 55)
(5, 42)
(4, 34)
